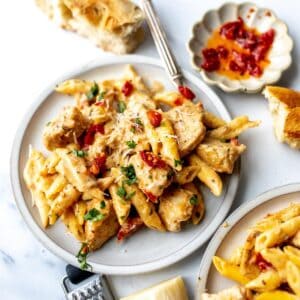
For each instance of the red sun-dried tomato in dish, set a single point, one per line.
(262, 263)
(127, 88)
(152, 160)
(237, 51)
(178, 101)
(151, 197)
(98, 165)
(186, 92)
(89, 135)
(129, 227)
(154, 117)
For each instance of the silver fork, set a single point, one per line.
(161, 43)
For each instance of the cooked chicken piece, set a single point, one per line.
(98, 232)
(65, 128)
(151, 180)
(220, 156)
(284, 105)
(188, 126)
(175, 207)
(74, 169)
(234, 293)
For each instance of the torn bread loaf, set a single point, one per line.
(284, 105)
(234, 293)
(113, 25)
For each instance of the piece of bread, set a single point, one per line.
(284, 105)
(234, 293)
(113, 25)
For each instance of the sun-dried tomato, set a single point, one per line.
(186, 92)
(89, 136)
(152, 160)
(151, 197)
(257, 46)
(211, 60)
(127, 88)
(232, 30)
(178, 101)
(98, 165)
(262, 263)
(154, 117)
(222, 52)
(130, 226)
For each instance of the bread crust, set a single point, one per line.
(284, 104)
(287, 96)
(113, 25)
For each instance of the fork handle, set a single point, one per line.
(161, 43)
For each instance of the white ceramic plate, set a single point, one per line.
(226, 239)
(262, 19)
(147, 250)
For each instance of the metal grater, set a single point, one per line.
(96, 287)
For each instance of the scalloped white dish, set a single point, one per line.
(262, 20)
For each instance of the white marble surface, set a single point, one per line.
(34, 52)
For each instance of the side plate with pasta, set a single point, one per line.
(73, 198)
(255, 254)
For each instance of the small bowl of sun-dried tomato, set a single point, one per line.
(240, 47)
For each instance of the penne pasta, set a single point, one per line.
(278, 234)
(229, 270)
(293, 277)
(232, 129)
(169, 148)
(212, 121)
(207, 175)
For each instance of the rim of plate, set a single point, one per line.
(232, 220)
(55, 248)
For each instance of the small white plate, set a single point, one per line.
(262, 19)
(147, 250)
(229, 237)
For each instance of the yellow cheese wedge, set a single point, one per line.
(173, 289)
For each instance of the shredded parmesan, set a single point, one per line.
(171, 136)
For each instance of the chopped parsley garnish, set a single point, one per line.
(93, 215)
(122, 193)
(178, 162)
(101, 96)
(93, 92)
(79, 153)
(48, 123)
(129, 172)
(102, 204)
(131, 144)
(121, 106)
(194, 200)
(81, 257)
(138, 121)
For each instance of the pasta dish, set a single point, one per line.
(267, 265)
(117, 161)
